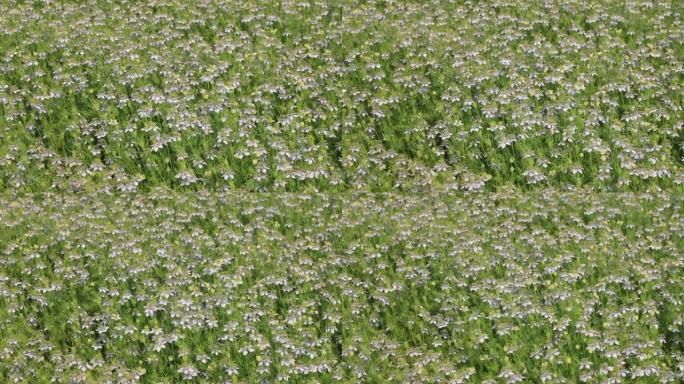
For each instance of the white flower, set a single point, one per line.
(186, 178)
(188, 371)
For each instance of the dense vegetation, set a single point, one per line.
(332, 95)
(248, 288)
(355, 191)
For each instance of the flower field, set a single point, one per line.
(348, 191)
(226, 288)
(327, 96)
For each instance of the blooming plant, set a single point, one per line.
(352, 191)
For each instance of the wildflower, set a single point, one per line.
(186, 178)
(188, 372)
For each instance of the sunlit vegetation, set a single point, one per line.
(347, 191)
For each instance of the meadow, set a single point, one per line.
(352, 191)
(329, 96)
(213, 288)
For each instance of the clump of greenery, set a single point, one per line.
(246, 288)
(337, 95)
